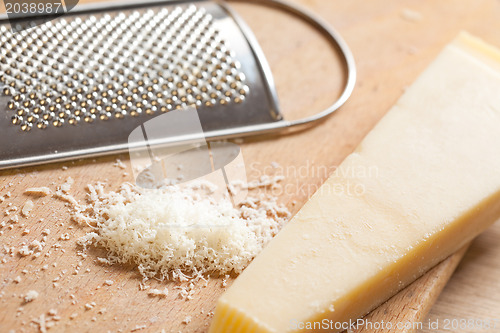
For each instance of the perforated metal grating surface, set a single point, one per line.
(114, 65)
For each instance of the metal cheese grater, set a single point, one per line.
(79, 84)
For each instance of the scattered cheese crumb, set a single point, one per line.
(30, 296)
(120, 164)
(64, 236)
(109, 282)
(63, 190)
(187, 320)
(27, 207)
(157, 292)
(224, 281)
(66, 197)
(66, 187)
(89, 306)
(264, 181)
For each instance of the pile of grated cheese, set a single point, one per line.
(179, 233)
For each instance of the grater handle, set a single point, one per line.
(340, 45)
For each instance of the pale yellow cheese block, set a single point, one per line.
(424, 182)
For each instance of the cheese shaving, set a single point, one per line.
(27, 208)
(30, 296)
(179, 233)
(158, 292)
(38, 191)
(42, 325)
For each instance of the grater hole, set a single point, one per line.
(113, 65)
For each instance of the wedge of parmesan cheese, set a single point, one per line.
(437, 186)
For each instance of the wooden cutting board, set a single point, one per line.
(393, 41)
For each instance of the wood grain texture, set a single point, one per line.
(390, 49)
(472, 295)
(407, 310)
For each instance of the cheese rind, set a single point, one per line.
(434, 185)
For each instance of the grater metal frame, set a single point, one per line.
(280, 125)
